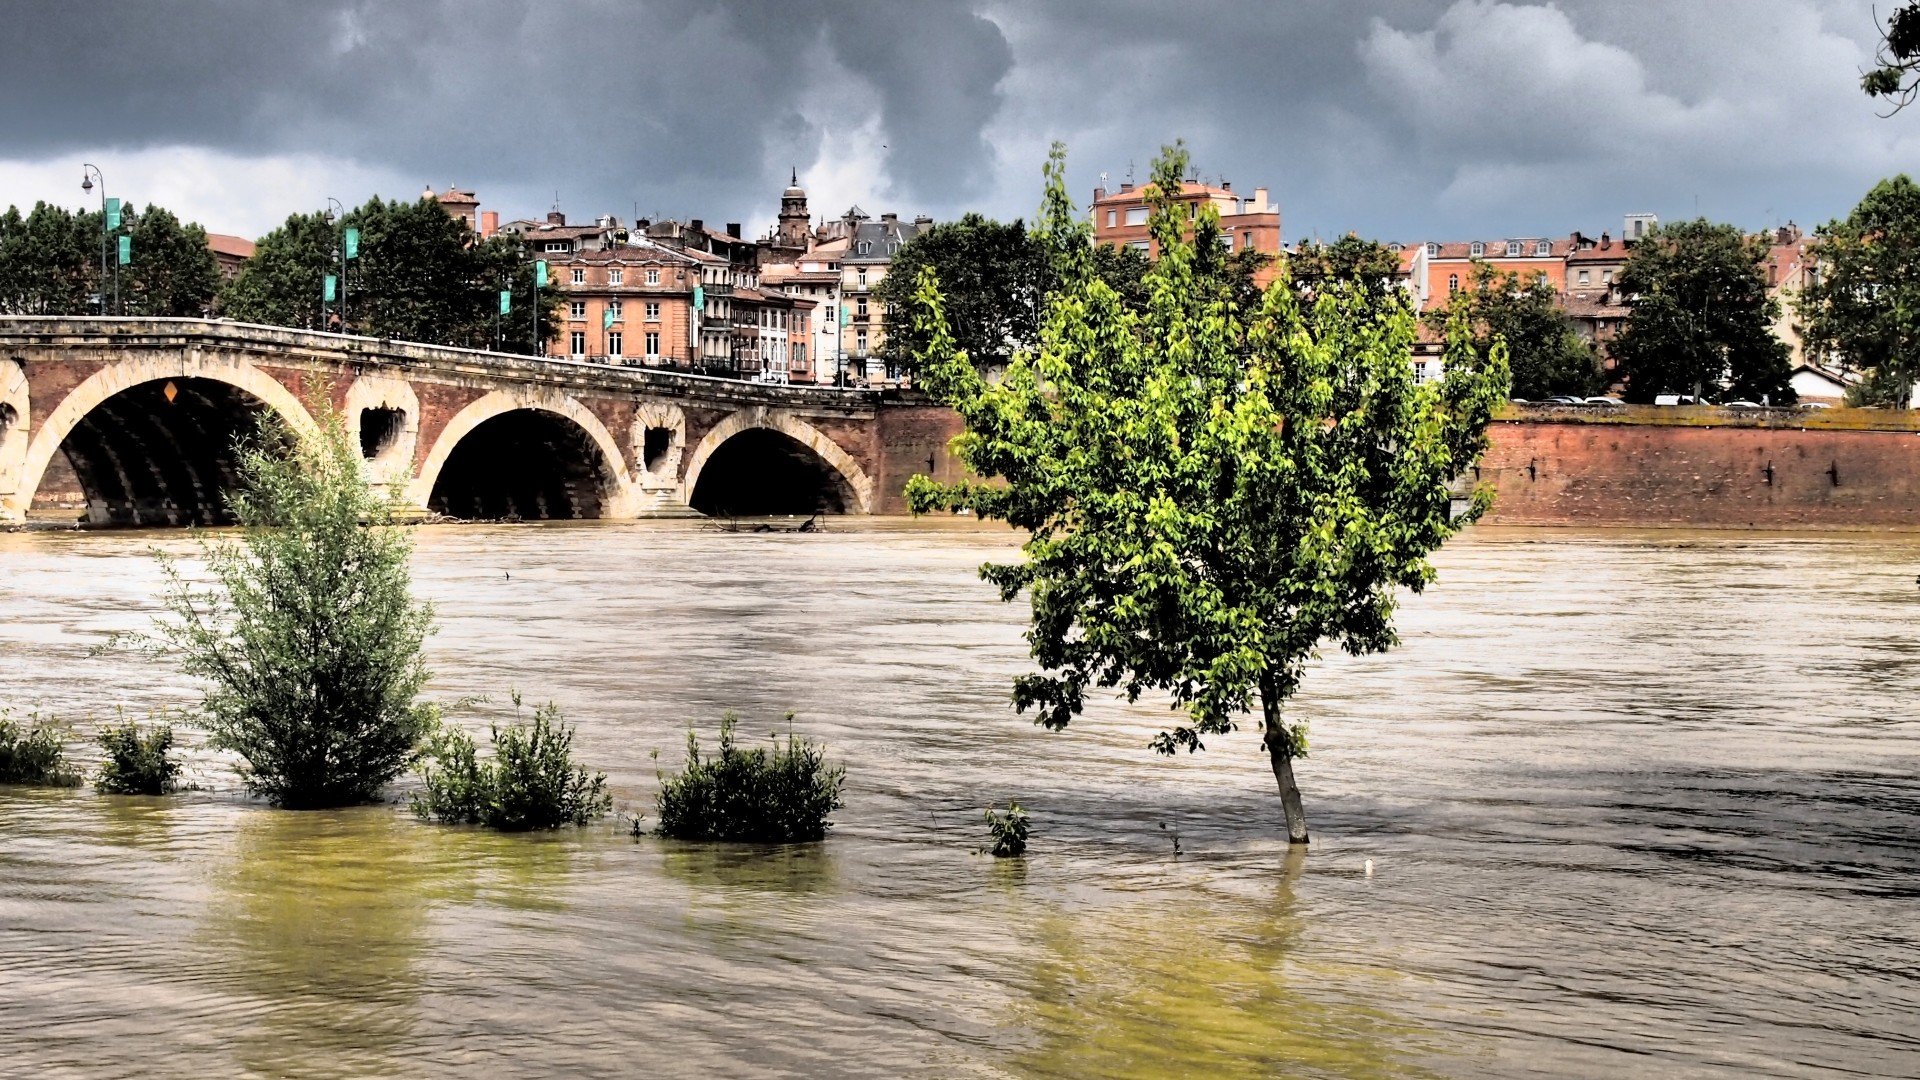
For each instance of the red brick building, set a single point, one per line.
(1246, 224)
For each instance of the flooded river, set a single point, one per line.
(1638, 805)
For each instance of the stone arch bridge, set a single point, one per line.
(133, 422)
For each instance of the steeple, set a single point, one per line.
(792, 231)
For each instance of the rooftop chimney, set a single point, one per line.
(1225, 184)
(1099, 193)
(890, 218)
(697, 225)
(1125, 187)
(555, 217)
(489, 222)
(923, 219)
(1260, 201)
(733, 229)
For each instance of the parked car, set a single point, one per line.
(1676, 399)
(1606, 402)
(1815, 405)
(1566, 399)
(1742, 405)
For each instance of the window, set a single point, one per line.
(1226, 240)
(860, 343)
(864, 247)
(1513, 248)
(1606, 276)
(1477, 249)
(831, 315)
(613, 343)
(800, 356)
(1453, 284)
(1433, 251)
(863, 276)
(556, 245)
(577, 344)
(860, 308)
(1136, 215)
(615, 276)
(1542, 247)
(653, 311)
(1583, 277)
(579, 276)
(653, 277)
(653, 344)
(1246, 241)
(1541, 277)
(613, 308)
(577, 309)
(1139, 245)
(1112, 217)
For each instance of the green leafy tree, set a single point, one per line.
(1367, 264)
(49, 261)
(1895, 74)
(1546, 354)
(173, 272)
(283, 283)
(996, 276)
(308, 634)
(1211, 493)
(1699, 316)
(1863, 308)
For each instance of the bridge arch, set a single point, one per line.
(512, 455)
(139, 455)
(761, 461)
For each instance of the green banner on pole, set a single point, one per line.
(506, 301)
(113, 213)
(607, 320)
(327, 294)
(352, 242)
(540, 274)
(699, 298)
(126, 250)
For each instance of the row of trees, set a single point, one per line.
(50, 263)
(418, 273)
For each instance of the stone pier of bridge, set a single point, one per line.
(133, 421)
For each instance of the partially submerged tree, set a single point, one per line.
(1546, 354)
(1863, 309)
(1699, 317)
(309, 636)
(1212, 491)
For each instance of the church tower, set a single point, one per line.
(792, 232)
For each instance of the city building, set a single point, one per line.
(1246, 224)
(630, 304)
(1791, 267)
(553, 238)
(771, 333)
(1592, 297)
(1450, 265)
(864, 261)
(230, 253)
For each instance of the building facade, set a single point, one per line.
(1246, 224)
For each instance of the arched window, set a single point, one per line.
(1453, 284)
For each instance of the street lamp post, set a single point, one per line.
(329, 216)
(88, 173)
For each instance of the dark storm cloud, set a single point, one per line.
(681, 102)
(1397, 118)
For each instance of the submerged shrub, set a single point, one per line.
(531, 783)
(1008, 830)
(309, 636)
(782, 795)
(34, 754)
(138, 762)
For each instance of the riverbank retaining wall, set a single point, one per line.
(1688, 471)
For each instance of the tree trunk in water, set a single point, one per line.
(1280, 753)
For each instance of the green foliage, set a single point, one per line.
(531, 783)
(1700, 318)
(769, 797)
(1896, 71)
(309, 635)
(1367, 264)
(34, 753)
(1546, 354)
(1008, 831)
(138, 762)
(1864, 307)
(421, 275)
(50, 263)
(1210, 490)
(996, 277)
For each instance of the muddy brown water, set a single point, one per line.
(1637, 804)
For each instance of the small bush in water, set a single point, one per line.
(777, 796)
(1008, 830)
(34, 754)
(138, 762)
(531, 783)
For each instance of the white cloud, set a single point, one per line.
(226, 193)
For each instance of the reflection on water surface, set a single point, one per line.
(1639, 805)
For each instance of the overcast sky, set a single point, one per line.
(1399, 119)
